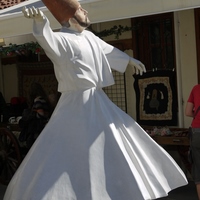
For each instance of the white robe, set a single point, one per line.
(90, 149)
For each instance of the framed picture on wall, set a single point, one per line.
(156, 98)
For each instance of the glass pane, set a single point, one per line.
(169, 58)
(154, 32)
(168, 31)
(156, 58)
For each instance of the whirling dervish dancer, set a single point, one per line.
(90, 149)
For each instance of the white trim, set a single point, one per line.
(13, 22)
(20, 5)
(178, 69)
(36, 3)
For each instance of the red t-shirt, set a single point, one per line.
(195, 99)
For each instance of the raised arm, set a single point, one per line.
(33, 13)
(48, 40)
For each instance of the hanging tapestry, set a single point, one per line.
(156, 98)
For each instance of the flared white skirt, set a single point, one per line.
(91, 150)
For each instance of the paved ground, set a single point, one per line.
(2, 191)
(187, 192)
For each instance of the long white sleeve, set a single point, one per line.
(117, 59)
(48, 40)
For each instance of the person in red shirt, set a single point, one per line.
(192, 109)
(192, 105)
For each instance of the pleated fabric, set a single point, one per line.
(92, 150)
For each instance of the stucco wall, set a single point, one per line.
(186, 59)
(9, 76)
(10, 79)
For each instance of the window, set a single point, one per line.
(154, 41)
(117, 92)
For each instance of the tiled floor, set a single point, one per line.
(187, 192)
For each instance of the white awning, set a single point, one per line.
(13, 23)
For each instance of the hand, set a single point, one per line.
(137, 65)
(33, 13)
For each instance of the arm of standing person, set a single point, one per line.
(43, 33)
(189, 109)
(137, 66)
(191, 105)
(119, 59)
